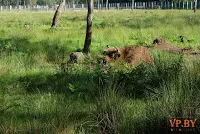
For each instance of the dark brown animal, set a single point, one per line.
(133, 55)
(162, 44)
(156, 7)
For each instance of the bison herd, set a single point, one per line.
(134, 55)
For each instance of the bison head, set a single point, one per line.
(158, 41)
(111, 54)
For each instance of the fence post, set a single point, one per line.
(10, 7)
(117, 6)
(73, 6)
(1, 8)
(47, 8)
(179, 5)
(172, 5)
(135, 5)
(187, 4)
(152, 5)
(167, 4)
(175, 4)
(191, 5)
(183, 5)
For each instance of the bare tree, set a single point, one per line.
(194, 5)
(88, 37)
(59, 9)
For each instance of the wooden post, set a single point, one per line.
(10, 8)
(59, 9)
(172, 5)
(47, 8)
(117, 6)
(74, 6)
(88, 37)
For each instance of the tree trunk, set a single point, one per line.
(59, 9)
(98, 4)
(30, 2)
(106, 4)
(17, 4)
(88, 37)
(132, 7)
(194, 5)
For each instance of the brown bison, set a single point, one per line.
(156, 7)
(133, 55)
(162, 44)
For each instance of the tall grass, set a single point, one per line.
(37, 96)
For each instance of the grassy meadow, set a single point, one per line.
(37, 96)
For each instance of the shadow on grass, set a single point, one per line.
(77, 85)
(85, 84)
(54, 50)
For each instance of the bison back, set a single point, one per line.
(135, 55)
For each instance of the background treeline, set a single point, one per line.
(35, 2)
(52, 2)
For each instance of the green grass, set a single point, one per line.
(36, 96)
